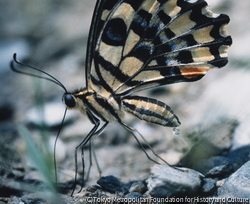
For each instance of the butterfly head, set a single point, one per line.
(69, 100)
(76, 100)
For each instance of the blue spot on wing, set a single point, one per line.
(115, 32)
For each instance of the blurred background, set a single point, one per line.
(52, 35)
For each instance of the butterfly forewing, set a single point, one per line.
(147, 43)
(100, 14)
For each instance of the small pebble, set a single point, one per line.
(111, 184)
(208, 186)
(138, 187)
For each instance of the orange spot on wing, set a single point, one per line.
(193, 72)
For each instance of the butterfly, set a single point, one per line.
(135, 45)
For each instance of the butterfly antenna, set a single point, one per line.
(49, 78)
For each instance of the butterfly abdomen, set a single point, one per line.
(150, 110)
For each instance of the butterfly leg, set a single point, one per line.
(92, 151)
(96, 123)
(134, 132)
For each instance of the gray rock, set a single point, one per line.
(167, 181)
(239, 157)
(217, 166)
(237, 185)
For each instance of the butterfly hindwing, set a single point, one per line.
(147, 43)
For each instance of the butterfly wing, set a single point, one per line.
(103, 11)
(147, 43)
(95, 29)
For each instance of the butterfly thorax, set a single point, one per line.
(107, 108)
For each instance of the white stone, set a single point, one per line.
(51, 114)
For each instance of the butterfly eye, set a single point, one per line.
(69, 100)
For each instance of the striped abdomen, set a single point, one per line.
(150, 110)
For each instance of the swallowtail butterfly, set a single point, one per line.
(136, 45)
(139, 44)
